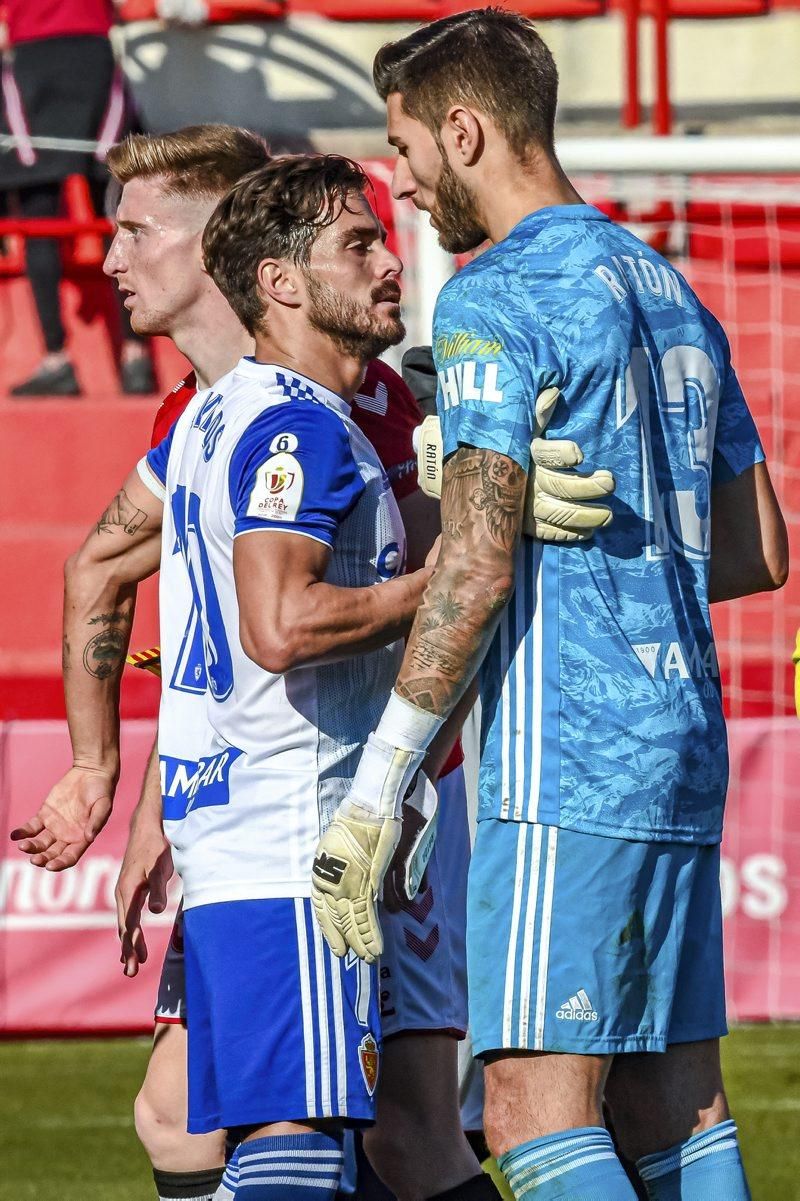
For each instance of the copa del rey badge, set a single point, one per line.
(368, 1057)
(278, 489)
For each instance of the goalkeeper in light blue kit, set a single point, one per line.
(594, 929)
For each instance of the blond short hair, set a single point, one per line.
(198, 161)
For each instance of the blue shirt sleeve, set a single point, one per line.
(293, 469)
(737, 445)
(492, 361)
(158, 457)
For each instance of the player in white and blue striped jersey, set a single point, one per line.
(282, 603)
(594, 924)
(279, 523)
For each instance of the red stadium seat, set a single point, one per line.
(430, 10)
(541, 10)
(220, 12)
(368, 10)
(80, 229)
(85, 249)
(709, 8)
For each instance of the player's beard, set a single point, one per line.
(455, 214)
(355, 329)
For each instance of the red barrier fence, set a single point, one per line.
(59, 964)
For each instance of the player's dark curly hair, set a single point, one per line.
(276, 212)
(489, 58)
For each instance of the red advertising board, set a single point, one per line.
(59, 958)
(761, 869)
(59, 952)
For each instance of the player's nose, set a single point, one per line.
(114, 260)
(404, 185)
(388, 264)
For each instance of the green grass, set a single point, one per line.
(762, 1076)
(66, 1125)
(66, 1132)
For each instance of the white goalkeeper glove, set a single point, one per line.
(560, 504)
(355, 852)
(352, 858)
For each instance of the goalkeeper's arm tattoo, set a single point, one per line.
(482, 503)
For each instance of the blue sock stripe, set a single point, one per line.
(288, 1169)
(539, 1172)
(312, 1163)
(267, 1167)
(579, 1163)
(324, 1187)
(561, 1155)
(542, 1150)
(684, 1158)
(543, 1177)
(315, 1153)
(721, 1137)
(549, 1142)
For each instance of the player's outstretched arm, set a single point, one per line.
(749, 543)
(289, 615)
(99, 600)
(146, 869)
(482, 510)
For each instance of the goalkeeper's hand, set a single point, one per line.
(560, 504)
(351, 859)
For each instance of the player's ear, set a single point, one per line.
(462, 133)
(278, 280)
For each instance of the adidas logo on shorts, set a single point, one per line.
(577, 1009)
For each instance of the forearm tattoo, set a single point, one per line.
(104, 653)
(482, 502)
(483, 482)
(121, 514)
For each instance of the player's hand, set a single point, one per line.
(560, 504)
(145, 873)
(350, 862)
(71, 817)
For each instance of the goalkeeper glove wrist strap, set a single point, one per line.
(392, 756)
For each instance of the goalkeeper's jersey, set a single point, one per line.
(254, 764)
(601, 693)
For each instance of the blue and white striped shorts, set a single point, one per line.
(591, 945)
(423, 970)
(279, 1029)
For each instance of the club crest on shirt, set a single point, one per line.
(369, 1057)
(278, 489)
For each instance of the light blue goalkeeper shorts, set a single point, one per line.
(590, 945)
